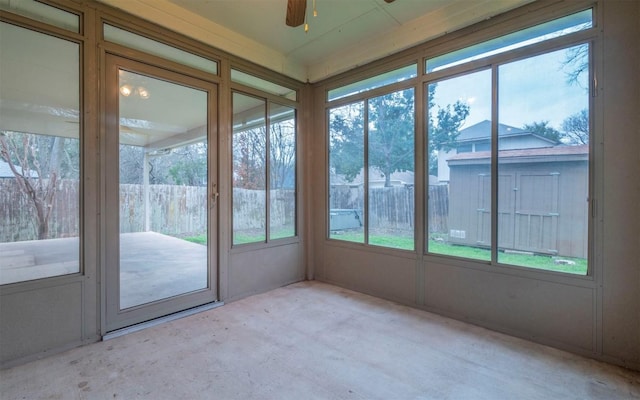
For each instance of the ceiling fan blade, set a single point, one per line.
(295, 12)
(389, 1)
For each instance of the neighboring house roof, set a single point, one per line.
(482, 130)
(546, 154)
(5, 170)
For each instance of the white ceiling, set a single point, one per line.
(345, 34)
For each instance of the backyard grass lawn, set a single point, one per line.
(246, 237)
(525, 260)
(200, 239)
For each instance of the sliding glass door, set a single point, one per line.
(161, 185)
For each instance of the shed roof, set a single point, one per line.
(540, 154)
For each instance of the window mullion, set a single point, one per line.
(365, 183)
(494, 164)
(267, 170)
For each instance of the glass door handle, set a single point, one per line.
(214, 199)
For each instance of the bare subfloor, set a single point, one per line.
(313, 340)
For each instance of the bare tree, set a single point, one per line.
(249, 158)
(36, 179)
(282, 154)
(576, 65)
(576, 128)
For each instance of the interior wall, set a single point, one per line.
(619, 304)
(598, 317)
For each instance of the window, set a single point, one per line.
(134, 41)
(39, 155)
(371, 164)
(539, 33)
(459, 115)
(261, 84)
(43, 12)
(264, 156)
(514, 190)
(397, 75)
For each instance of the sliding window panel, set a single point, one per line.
(249, 169)
(459, 166)
(347, 173)
(282, 171)
(391, 148)
(543, 161)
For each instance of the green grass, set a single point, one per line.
(436, 247)
(393, 241)
(524, 260)
(200, 239)
(544, 262)
(243, 237)
(246, 236)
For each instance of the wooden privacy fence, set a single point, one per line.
(394, 207)
(174, 210)
(17, 212)
(438, 209)
(249, 208)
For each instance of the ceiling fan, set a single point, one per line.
(296, 10)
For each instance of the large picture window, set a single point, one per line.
(509, 154)
(39, 155)
(371, 169)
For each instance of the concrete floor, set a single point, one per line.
(313, 340)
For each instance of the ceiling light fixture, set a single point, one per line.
(315, 14)
(128, 90)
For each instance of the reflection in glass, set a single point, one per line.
(459, 162)
(543, 163)
(163, 190)
(39, 155)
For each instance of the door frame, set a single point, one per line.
(114, 318)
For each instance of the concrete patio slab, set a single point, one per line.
(153, 266)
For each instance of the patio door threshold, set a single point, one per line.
(161, 320)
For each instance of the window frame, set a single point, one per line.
(365, 96)
(493, 62)
(268, 99)
(78, 38)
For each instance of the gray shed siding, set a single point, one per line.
(542, 206)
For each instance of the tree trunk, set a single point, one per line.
(387, 179)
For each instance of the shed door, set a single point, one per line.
(536, 212)
(484, 210)
(506, 211)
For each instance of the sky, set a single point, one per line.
(530, 90)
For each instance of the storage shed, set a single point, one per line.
(542, 200)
